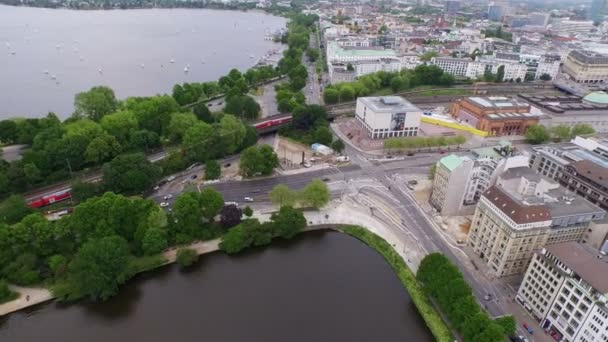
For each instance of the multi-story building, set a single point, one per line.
(465, 67)
(348, 72)
(452, 6)
(571, 110)
(539, 19)
(522, 213)
(571, 27)
(460, 180)
(454, 66)
(388, 116)
(495, 115)
(581, 166)
(566, 289)
(337, 53)
(587, 66)
(598, 9)
(496, 11)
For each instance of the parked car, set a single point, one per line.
(193, 177)
(248, 199)
(528, 328)
(409, 154)
(193, 166)
(326, 179)
(227, 165)
(156, 188)
(171, 179)
(168, 197)
(164, 204)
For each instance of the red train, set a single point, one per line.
(50, 199)
(272, 122)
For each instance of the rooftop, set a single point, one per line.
(388, 104)
(597, 97)
(592, 171)
(584, 262)
(451, 162)
(516, 210)
(564, 104)
(497, 102)
(362, 52)
(589, 57)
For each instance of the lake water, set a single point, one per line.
(132, 48)
(323, 286)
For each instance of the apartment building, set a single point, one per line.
(454, 66)
(566, 289)
(466, 67)
(587, 66)
(461, 180)
(342, 72)
(522, 213)
(387, 116)
(565, 27)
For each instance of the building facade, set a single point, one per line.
(522, 213)
(388, 117)
(566, 289)
(587, 66)
(496, 115)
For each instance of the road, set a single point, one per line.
(312, 91)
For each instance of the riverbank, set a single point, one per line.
(334, 217)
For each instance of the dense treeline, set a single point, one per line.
(104, 242)
(444, 282)
(289, 95)
(103, 129)
(396, 81)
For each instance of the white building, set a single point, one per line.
(566, 289)
(587, 66)
(388, 116)
(571, 27)
(454, 66)
(465, 67)
(336, 53)
(339, 72)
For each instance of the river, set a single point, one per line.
(322, 286)
(128, 50)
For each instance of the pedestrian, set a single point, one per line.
(27, 298)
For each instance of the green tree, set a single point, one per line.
(315, 194)
(347, 93)
(121, 125)
(282, 195)
(235, 240)
(5, 293)
(288, 222)
(248, 212)
(187, 218)
(197, 141)
(322, 135)
(270, 160)
(83, 190)
(186, 257)
(202, 112)
(545, 77)
(508, 324)
(179, 124)
(13, 209)
(251, 161)
(561, 132)
(102, 148)
(154, 241)
(32, 173)
(212, 170)
(131, 173)
(537, 134)
(8, 131)
(337, 146)
(99, 268)
(232, 132)
(331, 95)
(230, 216)
(211, 203)
(500, 74)
(58, 264)
(428, 55)
(582, 130)
(95, 103)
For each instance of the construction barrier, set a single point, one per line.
(453, 125)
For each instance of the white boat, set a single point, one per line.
(13, 53)
(172, 61)
(81, 58)
(100, 71)
(251, 56)
(46, 72)
(53, 77)
(186, 69)
(202, 61)
(142, 65)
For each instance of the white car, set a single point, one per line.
(169, 196)
(248, 199)
(171, 179)
(164, 204)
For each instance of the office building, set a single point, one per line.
(581, 166)
(495, 115)
(587, 66)
(388, 116)
(566, 289)
(452, 6)
(521, 214)
(342, 72)
(565, 27)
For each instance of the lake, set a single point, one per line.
(128, 50)
(322, 286)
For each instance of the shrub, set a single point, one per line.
(186, 256)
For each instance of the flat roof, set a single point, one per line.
(497, 102)
(451, 162)
(583, 261)
(388, 104)
(361, 52)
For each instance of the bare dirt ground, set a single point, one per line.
(290, 153)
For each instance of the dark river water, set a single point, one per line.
(132, 48)
(323, 286)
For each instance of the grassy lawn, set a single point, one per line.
(433, 320)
